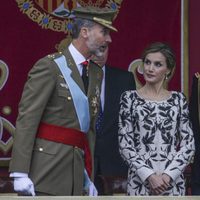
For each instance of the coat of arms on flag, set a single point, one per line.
(57, 14)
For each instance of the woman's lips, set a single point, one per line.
(150, 75)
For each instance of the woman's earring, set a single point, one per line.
(166, 76)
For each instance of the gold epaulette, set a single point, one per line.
(54, 55)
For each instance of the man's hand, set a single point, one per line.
(24, 185)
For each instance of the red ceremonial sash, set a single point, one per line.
(67, 136)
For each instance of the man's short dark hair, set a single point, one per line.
(78, 24)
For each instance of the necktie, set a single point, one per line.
(99, 124)
(85, 75)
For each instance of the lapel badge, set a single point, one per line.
(97, 91)
(95, 100)
(94, 105)
(99, 76)
(64, 85)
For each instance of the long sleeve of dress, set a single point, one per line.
(126, 139)
(186, 151)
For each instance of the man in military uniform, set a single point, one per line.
(53, 141)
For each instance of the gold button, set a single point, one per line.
(40, 149)
(69, 98)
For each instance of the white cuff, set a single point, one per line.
(18, 174)
(144, 173)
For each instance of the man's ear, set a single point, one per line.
(84, 32)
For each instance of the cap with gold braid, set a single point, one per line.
(103, 16)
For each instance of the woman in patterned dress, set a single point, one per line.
(155, 135)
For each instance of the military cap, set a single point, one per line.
(103, 16)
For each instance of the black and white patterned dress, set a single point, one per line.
(155, 137)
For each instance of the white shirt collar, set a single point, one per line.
(102, 96)
(103, 68)
(77, 56)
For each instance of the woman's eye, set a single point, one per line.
(147, 62)
(158, 64)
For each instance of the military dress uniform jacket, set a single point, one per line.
(54, 168)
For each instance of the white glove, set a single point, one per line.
(24, 185)
(92, 189)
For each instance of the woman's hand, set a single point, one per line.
(157, 184)
(167, 179)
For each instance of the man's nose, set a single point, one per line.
(108, 38)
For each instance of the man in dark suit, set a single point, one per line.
(51, 155)
(107, 160)
(194, 108)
